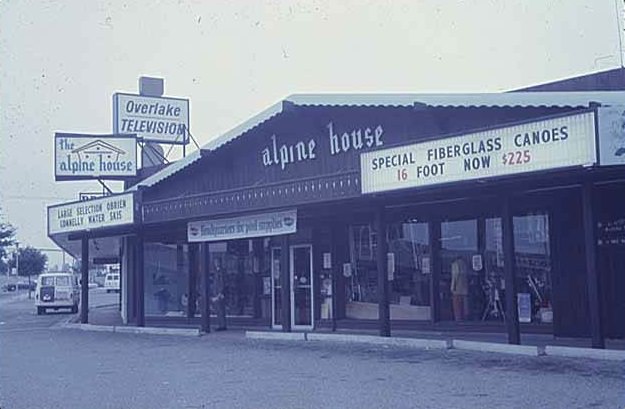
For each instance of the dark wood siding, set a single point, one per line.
(238, 165)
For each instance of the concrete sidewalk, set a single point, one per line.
(457, 341)
(108, 318)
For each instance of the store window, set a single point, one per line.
(493, 284)
(361, 273)
(233, 276)
(166, 279)
(408, 245)
(533, 268)
(460, 288)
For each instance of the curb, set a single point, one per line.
(439, 344)
(286, 336)
(495, 347)
(134, 330)
(375, 340)
(572, 352)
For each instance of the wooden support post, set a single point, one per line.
(285, 278)
(512, 314)
(257, 263)
(205, 301)
(335, 269)
(193, 269)
(384, 316)
(84, 280)
(435, 268)
(140, 288)
(592, 274)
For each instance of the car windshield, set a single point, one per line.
(62, 281)
(47, 280)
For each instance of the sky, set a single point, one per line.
(61, 62)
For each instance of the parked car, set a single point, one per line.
(57, 290)
(27, 286)
(9, 287)
(111, 282)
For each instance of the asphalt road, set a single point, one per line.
(44, 366)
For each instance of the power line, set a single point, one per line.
(25, 197)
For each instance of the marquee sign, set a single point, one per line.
(157, 119)
(548, 144)
(244, 227)
(80, 156)
(111, 211)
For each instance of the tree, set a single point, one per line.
(7, 238)
(31, 261)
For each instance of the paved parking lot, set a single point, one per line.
(48, 367)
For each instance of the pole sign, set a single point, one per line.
(259, 225)
(110, 211)
(79, 157)
(548, 144)
(91, 195)
(157, 119)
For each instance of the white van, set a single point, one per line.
(57, 290)
(111, 282)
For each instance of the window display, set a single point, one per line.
(232, 271)
(361, 274)
(166, 279)
(533, 264)
(408, 242)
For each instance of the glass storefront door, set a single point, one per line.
(301, 286)
(276, 289)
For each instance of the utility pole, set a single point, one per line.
(619, 6)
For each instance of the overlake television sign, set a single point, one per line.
(86, 215)
(557, 142)
(79, 157)
(156, 119)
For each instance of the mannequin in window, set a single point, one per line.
(459, 289)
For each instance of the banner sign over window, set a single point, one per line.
(244, 227)
(611, 121)
(110, 211)
(157, 119)
(80, 156)
(548, 144)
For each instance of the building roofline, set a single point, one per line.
(468, 100)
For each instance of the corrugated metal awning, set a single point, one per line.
(234, 133)
(512, 99)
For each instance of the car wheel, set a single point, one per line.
(108, 291)
(41, 310)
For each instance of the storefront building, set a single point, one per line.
(479, 212)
